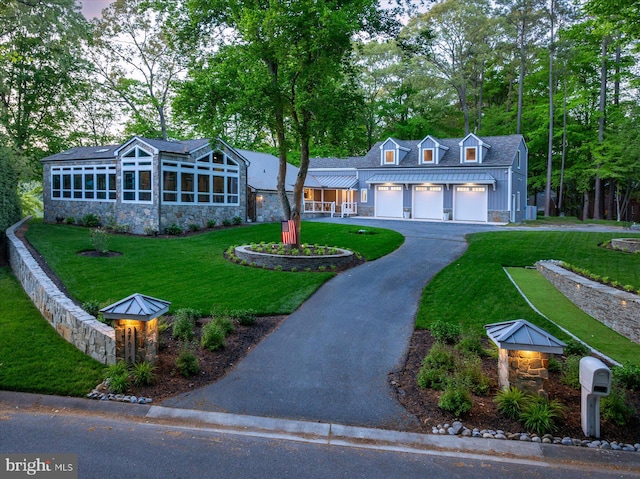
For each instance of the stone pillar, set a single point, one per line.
(528, 371)
(136, 341)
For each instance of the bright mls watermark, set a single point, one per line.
(52, 466)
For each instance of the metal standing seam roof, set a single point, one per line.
(337, 181)
(136, 306)
(436, 178)
(522, 335)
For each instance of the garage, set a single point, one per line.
(470, 203)
(389, 201)
(427, 202)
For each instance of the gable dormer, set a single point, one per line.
(473, 149)
(392, 153)
(430, 151)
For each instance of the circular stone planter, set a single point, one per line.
(626, 244)
(343, 259)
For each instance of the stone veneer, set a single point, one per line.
(146, 339)
(526, 370)
(287, 262)
(72, 323)
(617, 309)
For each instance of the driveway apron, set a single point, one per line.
(330, 360)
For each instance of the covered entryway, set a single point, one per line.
(389, 201)
(427, 202)
(470, 203)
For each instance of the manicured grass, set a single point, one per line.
(474, 290)
(191, 271)
(555, 306)
(571, 220)
(33, 357)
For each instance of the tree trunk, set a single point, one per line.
(547, 198)
(597, 211)
(564, 136)
(585, 206)
(521, 80)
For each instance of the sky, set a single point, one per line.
(93, 8)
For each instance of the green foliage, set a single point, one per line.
(99, 240)
(194, 227)
(30, 193)
(469, 372)
(174, 229)
(576, 348)
(456, 399)
(436, 367)
(70, 220)
(92, 307)
(571, 372)
(512, 401)
(143, 374)
(445, 332)
(554, 365)
(226, 222)
(90, 220)
(10, 210)
(118, 369)
(163, 324)
(471, 343)
(184, 323)
(211, 223)
(187, 362)
(236, 220)
(616, 407)
(118, 377)
(627, 376)
(540, 414)
(213, 335)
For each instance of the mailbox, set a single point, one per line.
(595, 376)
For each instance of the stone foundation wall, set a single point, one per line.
(526, 370)
(617, 309)
(70, 321)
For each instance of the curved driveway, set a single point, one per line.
(330, 360)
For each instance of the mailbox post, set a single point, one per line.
(595, 379)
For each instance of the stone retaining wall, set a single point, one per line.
(617, 309)
(72, 323)
(344, 258)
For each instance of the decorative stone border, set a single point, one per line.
(74, 324)
(626, 244)
(617, 309)
(342, 259)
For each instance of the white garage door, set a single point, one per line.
(389, 201)
(427, 202)
(470, 203)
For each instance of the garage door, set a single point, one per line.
(427, 202)
(389, 201)
(470, 203)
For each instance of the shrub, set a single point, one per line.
(433, 378)
(143, 374)
(211, 223)
(571, 372)
(236, 220)
(99, 240)
(92, 307)
(576, 348)
(615, 407)
(91, 220)
(511, 401)
(225, 323)
(456, 399)
(439, 357)
(183, 324)
(246, 317)
(627, 376)
(471, 343)
(226, 222)
(187, 362)
(444, 332)
(70, 220)
(174, 229)
(469, 372)
(194, 227)
(163, 325)
(118, 376)
(213, 335)
(539, 416)
(554, 365)
(116, 369)
(150, 231)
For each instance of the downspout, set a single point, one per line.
(509, 193)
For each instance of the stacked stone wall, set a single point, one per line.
(70, 321)
(617, 309)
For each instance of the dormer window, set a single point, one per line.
(471, 154)
(389, 157)
(428, 155)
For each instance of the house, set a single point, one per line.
(148, 184)
(478, 179)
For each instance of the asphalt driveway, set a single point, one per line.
(330, 360)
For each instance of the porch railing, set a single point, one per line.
(320, 207)
(349, 208)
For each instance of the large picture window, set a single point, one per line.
(137, 178)
(214, 179)
(83, 183)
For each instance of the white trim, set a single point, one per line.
(154, 151)
(364, 195)
(86, 172)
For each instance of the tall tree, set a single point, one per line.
(135, 59)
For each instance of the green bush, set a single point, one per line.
(615, 407)
(70, 220)
(469, 372)
(226, 222)
(540, 414)
(512, 401)
(211, 223)
(444, 332)
(194, 227)
(143, 374)
(456, 399)
(471, 343)
(571, 372)
(627, 376)
(90, 220)
(576, 348)
(118, 376)
(187, 362)
(433, 378)
(213, 335)
(10, 209)
(439, 357)
(174, 229)
(92, 307)
(116, 369)
(237, 220)
(554, 365)
(184, 323)
(99, 240)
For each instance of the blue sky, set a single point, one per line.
(93, 8)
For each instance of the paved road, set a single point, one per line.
(330, 360)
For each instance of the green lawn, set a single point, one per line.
(33, 356)
(191, 271)
(474, 290)
(557, 307)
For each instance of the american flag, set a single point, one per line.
(289, 232)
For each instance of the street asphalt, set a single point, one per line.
(330, 360)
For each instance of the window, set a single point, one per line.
(427, 155)
(470, 153)
(83, 183)
(389, 157)
(518, 206)
(214, 179)
(363, 195)
(518, 159)
(137, 178)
